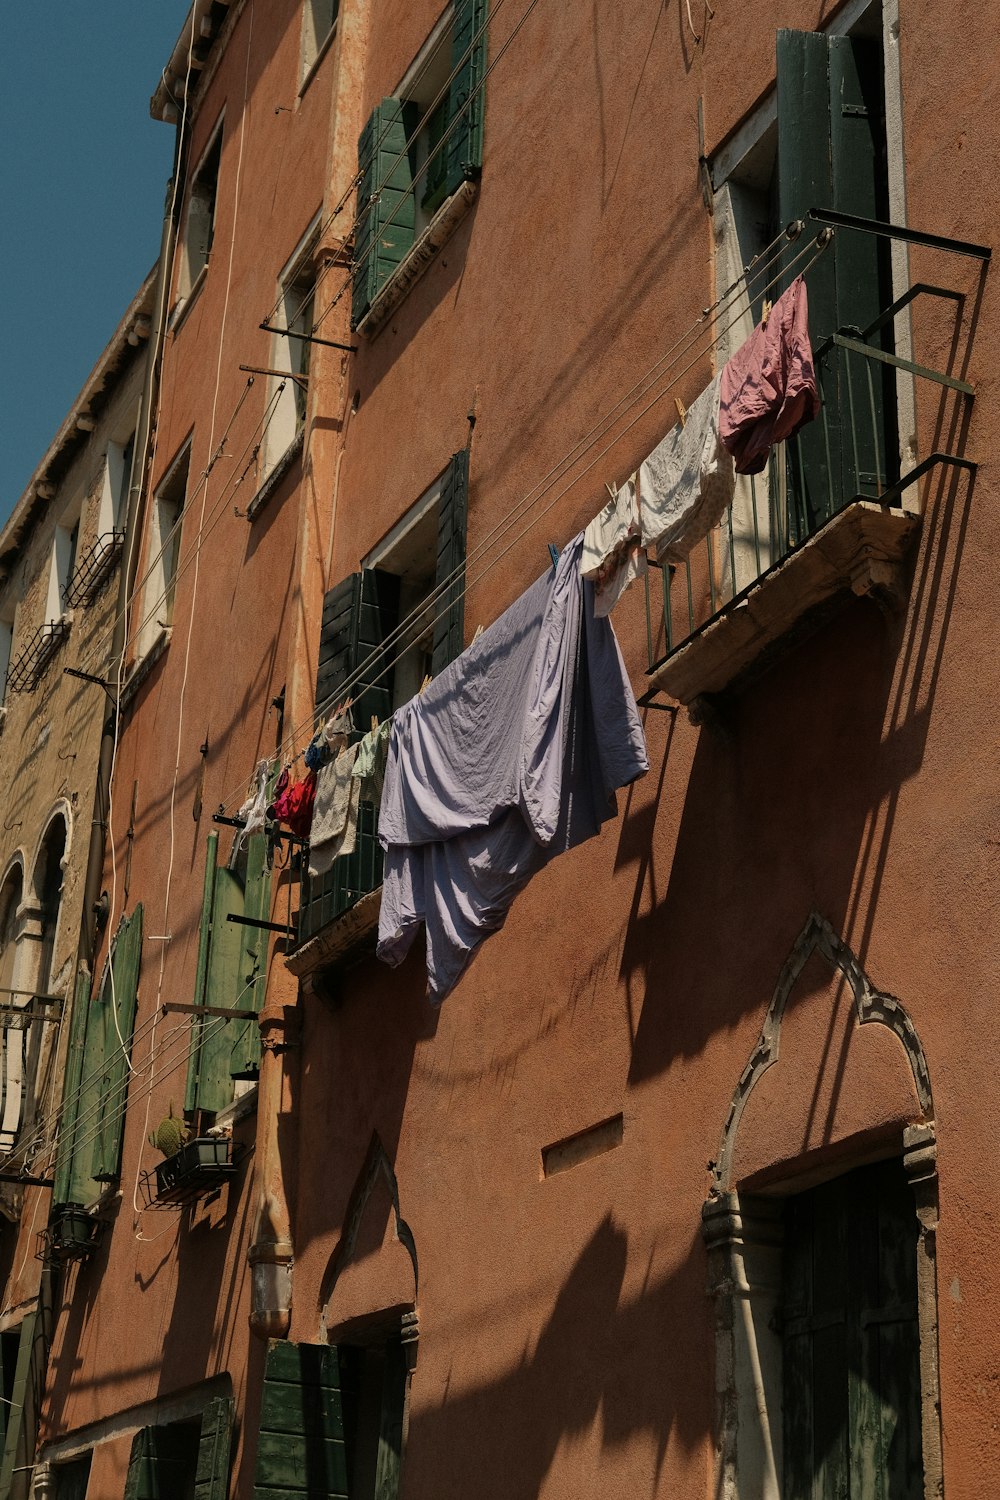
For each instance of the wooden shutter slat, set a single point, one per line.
(466, 111)
(214, 1449)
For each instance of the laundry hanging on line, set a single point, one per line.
(768, 389)
(354, 775)
(687, 482)
(512, 756)
(612, 555)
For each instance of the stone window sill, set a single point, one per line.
(143, 666)
(317, 61)
(859, 551)
(347, 937)
(184, 306)
(410, 269)
(277, 474)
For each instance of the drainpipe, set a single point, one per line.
(129, 570)
(270, 1255)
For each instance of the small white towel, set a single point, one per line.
(612, 549)
(687, 482)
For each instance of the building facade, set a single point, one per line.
(678, 1192)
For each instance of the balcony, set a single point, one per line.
(28, 667)
(198, 1170)
(830, 518)
(94, 568)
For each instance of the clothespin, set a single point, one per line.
(479, 631)
(765, 311)
(682, 415)
(423, 685)
(553, 553)
(374, 722)
(611, 488)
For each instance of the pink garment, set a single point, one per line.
(768, 388)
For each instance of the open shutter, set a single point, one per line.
(300, 1448)
(449, 624)
(385, 204)
(68, 1132)
(117, 1017)
(218, 983)
(18, 1448)
(359, 614)
(832, 154)
(214, 1447)
(244, 1058)
(161, 1464)
(389, 1460)
(468, 62)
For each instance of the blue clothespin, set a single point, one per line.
(553, 553)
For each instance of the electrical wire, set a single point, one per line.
(358, 177)
(446, 133)
(418, 616)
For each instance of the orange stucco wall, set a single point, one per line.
(565, 1335)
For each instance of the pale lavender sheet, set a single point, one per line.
(512, 755)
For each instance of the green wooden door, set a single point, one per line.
(851, 1341)
(300, 1447)
(832, 154)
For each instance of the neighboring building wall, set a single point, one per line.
(58, 563)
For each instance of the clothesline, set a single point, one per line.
(363, 677)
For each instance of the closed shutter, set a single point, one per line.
(386, 213)
(162, 1463)
(73, 1078)
(832, 154)
(218, 983)
(300, 1447)
(468, 62)
(449, 624)
(214, 1445)
(389, 1459)
(851, 1341)
(19, 1437)
(117, 1019)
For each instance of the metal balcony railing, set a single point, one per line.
(93, 568)
(848, 454)
(26, 669)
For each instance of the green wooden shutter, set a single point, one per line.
(81, 1186)
(851, 1341)
(214, 1447)
(468, 61)
(71, 1091)
(832, 154)
(449, 624)
(389, 1461)
(359, 614)
(118, 1020)
(26, 1372)
(244, 1057)
(300, 1448)
(162, 1463)
(386, 214)
(217, 983)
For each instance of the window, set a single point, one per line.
(48, 882)
(851, 1356)
(231, 973)
(13, 1044)
(199, 226)
(416, 150)
(7, 614)
(818, 142)
(318, 20)
(114, 489)
(332, 1419)
(165, 547)
(71, 1478)
(295, 313)
(95, 1089)
(61, 565)
(425, 552)
(186, 1460)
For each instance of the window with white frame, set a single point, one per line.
(318, 20)
(199, 223)
(290, 352)
(164, 552)
(61, 565)
(7, 613)
(114, 489)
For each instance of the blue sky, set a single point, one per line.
(83, 172)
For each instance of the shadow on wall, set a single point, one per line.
(595, 1362)
(790, 806)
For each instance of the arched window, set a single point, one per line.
(11, 1081)
(48, 890)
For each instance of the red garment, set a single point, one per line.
(768, 388)
(295, 805)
